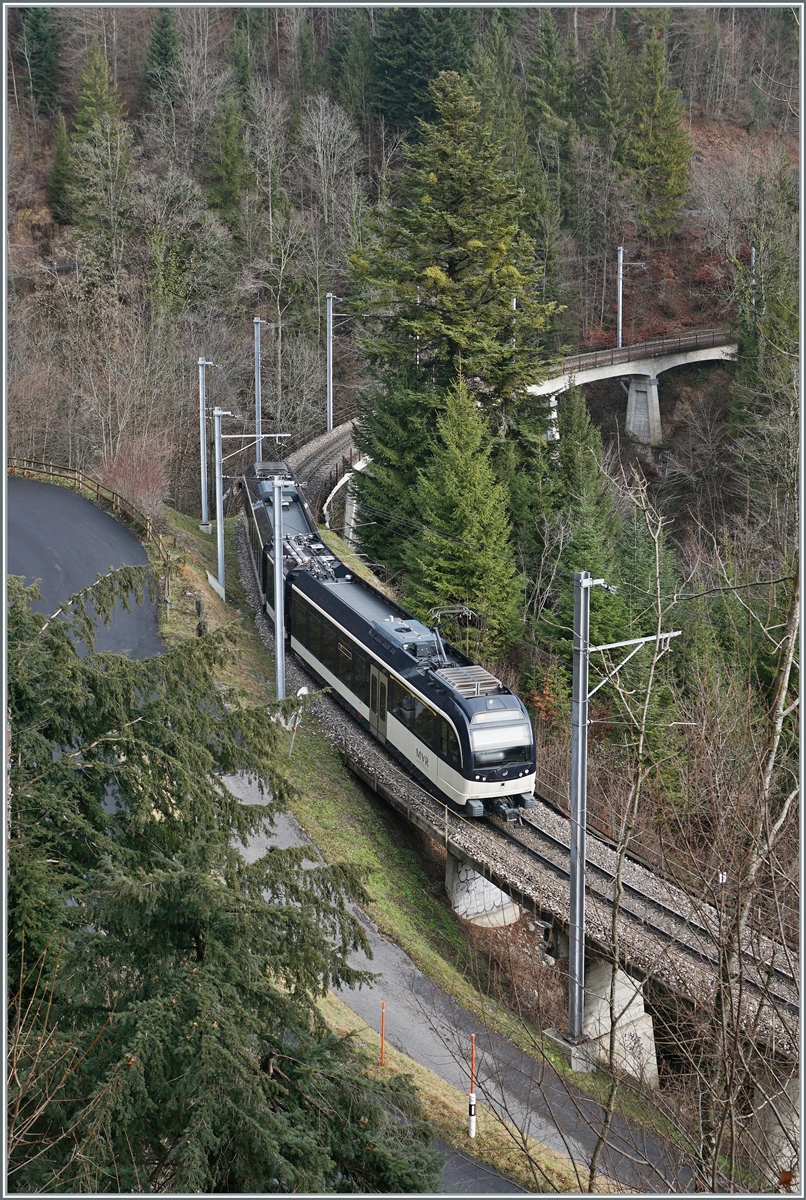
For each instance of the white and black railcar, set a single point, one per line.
(454, 725)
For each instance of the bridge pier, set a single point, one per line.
(775, 1123)
(643, 410)
(475, 898)
(634, 1050)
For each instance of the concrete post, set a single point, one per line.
(279, 606)
(643, 410)
(579, 808)
(219, 495)
(258, 410)
(329, 341)
(205, 516)
(475, 898)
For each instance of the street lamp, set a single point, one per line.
(579, 785)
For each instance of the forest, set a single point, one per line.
(460, 179)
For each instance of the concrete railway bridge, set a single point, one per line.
(641, 364)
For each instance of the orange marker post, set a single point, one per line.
(471, 1108)
(383, 1027)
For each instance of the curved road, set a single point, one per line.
(57, 536)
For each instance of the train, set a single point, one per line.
(457, 729)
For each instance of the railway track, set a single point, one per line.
(665, 922)
(313, 463)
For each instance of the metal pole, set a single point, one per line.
(279, 615)
(579, 816)
(258, 413)
(618, 302)
(219, 494)
(471, 1105)
(205, 516)
(329, 326)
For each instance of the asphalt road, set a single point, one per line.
(56, 536)
(428, 1026)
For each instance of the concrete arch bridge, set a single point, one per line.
(642, 364)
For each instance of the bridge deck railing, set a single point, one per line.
(701, 339)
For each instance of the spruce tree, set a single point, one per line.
(660, 148)
(412, 46)
(97, 95)
(449, 259)
(502, 102)
(40, 45)
(463, 554)
(230, 166)
(166, 988)
(62, 175)
(163, 55)
(607, 112)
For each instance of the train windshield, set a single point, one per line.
(503, 746)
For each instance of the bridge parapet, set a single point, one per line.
(643, 361)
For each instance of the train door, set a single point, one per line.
(378, 694)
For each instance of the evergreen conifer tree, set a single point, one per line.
(306, 56)
(40, 45)
(441, 272)
(449, 260)
(163, 54)
(503, 107)
(97, 95)
(660, 148)
(62, 174)
(230, 166)
(167, 988)
(548, 75)
(412, 46)
(463, 553)
(607, 112)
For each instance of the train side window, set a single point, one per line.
(330, 648)
(382, 703)
(314, 633)
(448, 744)
(373, 694)
(361, 676)
(345, 665)
(299, 618)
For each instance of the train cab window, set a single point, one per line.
(423, 725)
(448, 744)
(401, 703)
(373, 694)
(382, 703)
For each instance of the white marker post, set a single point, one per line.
(471, 1107)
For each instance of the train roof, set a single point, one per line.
(409, 643)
